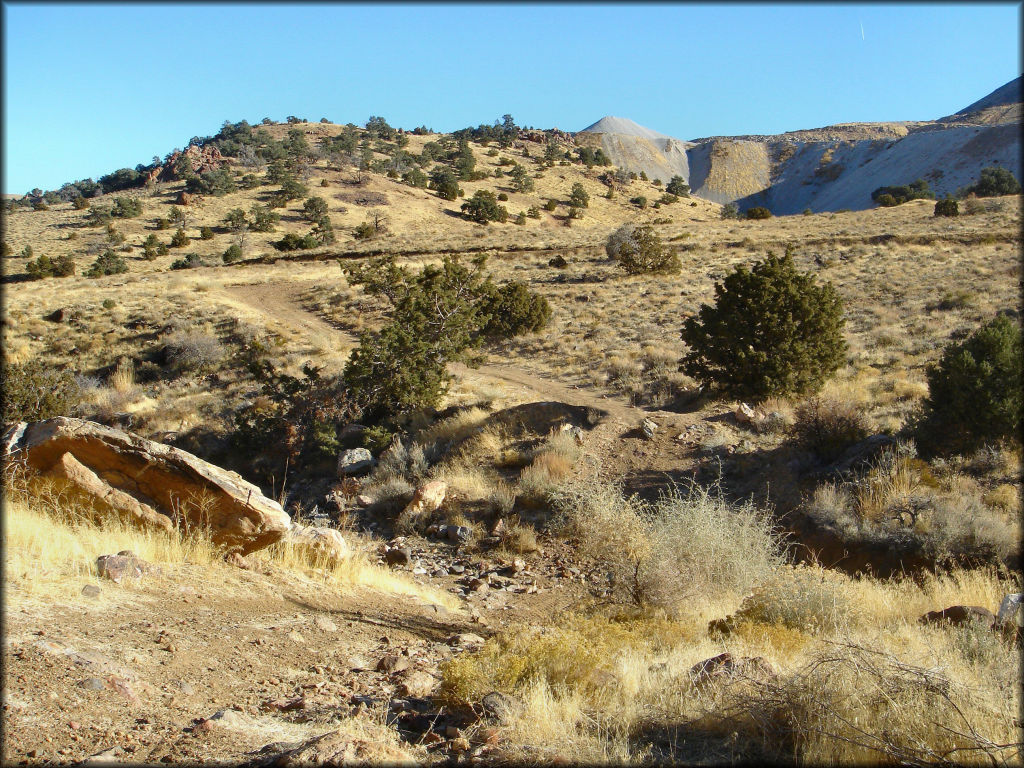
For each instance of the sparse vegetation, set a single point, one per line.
(638, 249)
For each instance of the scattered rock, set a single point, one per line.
(319, 542)
(325, 624)
(118, 567)
(466, 640)
(458, 534)
(148, 483)
(285, 705)
(576, 432)
(355, 461)
(393, 662)
(744, 413)
(428, 498)
(418, 683)
(337, 748)
(724, 664)
(648, 427)
(91, 590)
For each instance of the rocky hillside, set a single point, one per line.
(830, 168)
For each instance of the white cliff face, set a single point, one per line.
(831, 168)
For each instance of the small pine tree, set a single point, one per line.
(513, 310)
(579, 198)
(975, 390)
(772, 331)
(109, 263)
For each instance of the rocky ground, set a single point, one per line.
(225, 665)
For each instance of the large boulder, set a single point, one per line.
(355, 461)
(148, 483)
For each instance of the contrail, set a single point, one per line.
(862, 30)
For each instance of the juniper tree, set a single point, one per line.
(771, 331)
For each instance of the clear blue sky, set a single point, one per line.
(89, 88)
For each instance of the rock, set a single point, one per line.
(92, 684)
(355, 461)
(327, 543)
(84, 480)
(648, 427)
(393, 662)
(458, 534)
(959, 615)
(285, 705)
(119, 567)
(1009, 606)
(428, 498)
(91, 590)
(185, 687)
(558, 262)
(57, 316)
(466, 640)
(499, 707)
(724, 664)
(235, 559)
(721, 627)
(417, 683)
(363, 500)
(576, 432)
(336, 748)
(398, 556)
(325, 624)
(185, 198)
(744, 413)
(460, 744)
(148, 483)
(478, 585)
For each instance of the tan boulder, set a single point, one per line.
(319, 542)
(428, 498)
(141, 479)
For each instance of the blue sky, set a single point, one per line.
(89, 88)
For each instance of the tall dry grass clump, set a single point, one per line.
(691, 546)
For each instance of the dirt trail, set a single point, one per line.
(644, 466)
(282, 302)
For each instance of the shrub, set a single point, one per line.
(163, 223)
(179, 239)
(232, 254)
(126, 208)
(191, 261)
(550, 205)
(691, 543)
(190, 351)
(947, 207)
(916, 190)
(436, 318)
(995, 181)
(514, 310)
(974, 391)
(294, 242)
(44, 266)
(579, 198)
(36, 390)
(445, 183)
(827, 426)
(483, 207)
(502, 197)
(205, 233)
(109, 263)
(639, 201)
(772, 331)
(639, 250)
(730, 211)
(314, 209)
(364, 231)
(39, 205)
(678, 187)
(80, 203)
(263, 218)
(758, 212)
